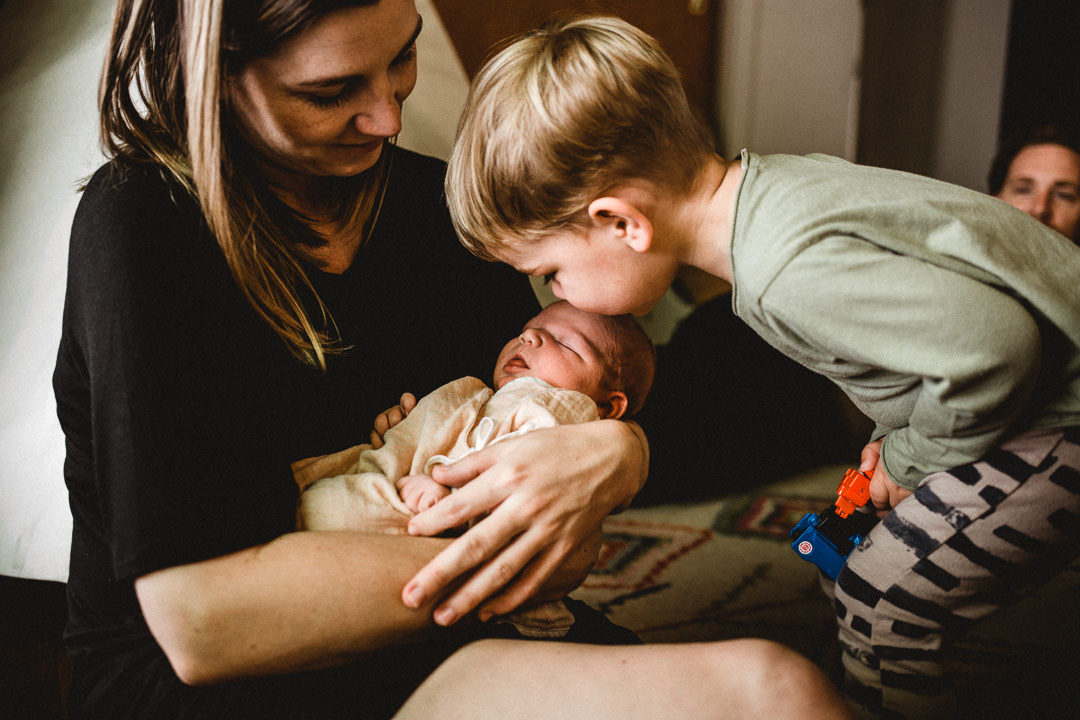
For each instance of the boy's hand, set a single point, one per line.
(390, 418)
(884, 493)
(545, 496)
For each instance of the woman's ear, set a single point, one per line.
(624, 220)
(614, 407)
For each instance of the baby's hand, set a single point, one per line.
(420, 492)
(391, 417)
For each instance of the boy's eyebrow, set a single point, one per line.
(331, 81)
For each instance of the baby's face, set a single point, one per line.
(562, 345)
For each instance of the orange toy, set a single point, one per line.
(854, 491)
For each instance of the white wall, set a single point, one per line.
(48, 141)
(971, 91)
(790, 81)
(50, 55)
(789, 76)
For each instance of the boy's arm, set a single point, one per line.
(943, 361)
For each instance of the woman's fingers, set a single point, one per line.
(479, 543)
(530, 584)
(494, 576)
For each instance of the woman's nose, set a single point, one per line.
(381, 114)
(1040, 206)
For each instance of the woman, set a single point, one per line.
(1038, 171)
(257, 266)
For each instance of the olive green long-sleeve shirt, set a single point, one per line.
(949, 318)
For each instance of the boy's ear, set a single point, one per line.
(624, 219)
(614, 407)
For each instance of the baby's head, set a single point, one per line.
(559, 116)
(608, 358)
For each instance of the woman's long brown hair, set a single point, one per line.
(161, 100)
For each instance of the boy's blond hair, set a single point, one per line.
(557, 117)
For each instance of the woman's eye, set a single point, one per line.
(328, 101)
(406, 57)
(548, 278)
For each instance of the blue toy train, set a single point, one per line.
(828, 537)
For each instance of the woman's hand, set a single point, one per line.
(547, 493)
(884, 493)
(391, 417)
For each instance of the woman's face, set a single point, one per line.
(1044, 182)
(323, 103)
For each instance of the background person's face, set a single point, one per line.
(1044, 182)
(323, 103)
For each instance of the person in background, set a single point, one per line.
(1038, 171)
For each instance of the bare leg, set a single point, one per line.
(735, 679)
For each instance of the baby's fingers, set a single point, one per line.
(390, 418)
(471, 501)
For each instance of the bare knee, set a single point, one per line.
(778, 682)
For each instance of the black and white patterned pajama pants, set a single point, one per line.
(960, 547)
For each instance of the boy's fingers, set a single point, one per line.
(879, 496)
(871, 455)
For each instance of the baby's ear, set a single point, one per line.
(614, 407)
(623, 220)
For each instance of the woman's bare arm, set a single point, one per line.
(303, 601)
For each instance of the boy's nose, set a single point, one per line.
(531, 337)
